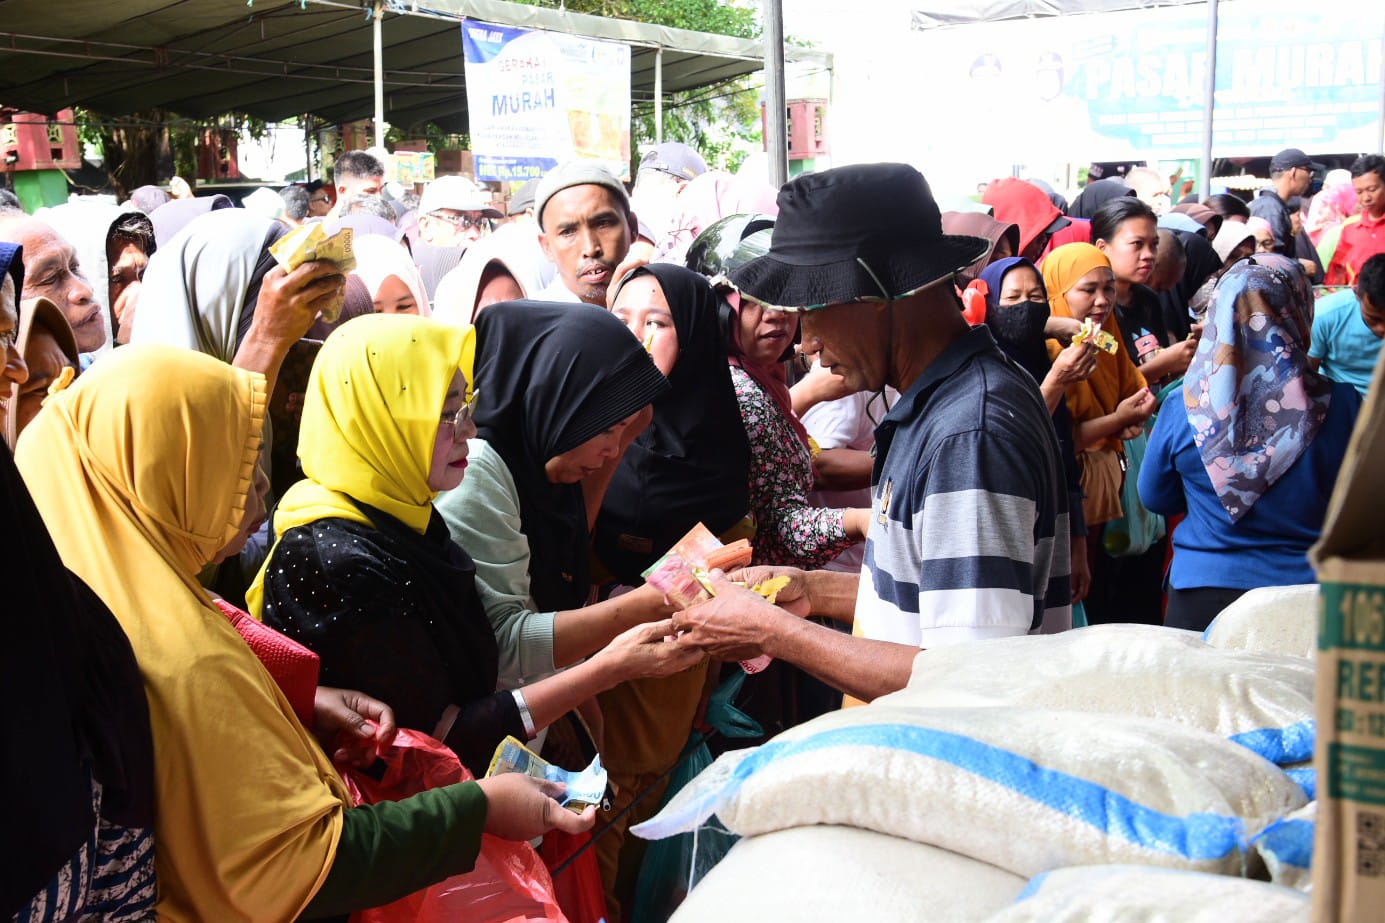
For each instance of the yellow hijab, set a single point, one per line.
(370, 418)
(141, 471)
(1116, 377)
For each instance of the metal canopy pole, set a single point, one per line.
(659, 94)
(1209, 99)
(380, 125)
(307, 148)
(776, 109)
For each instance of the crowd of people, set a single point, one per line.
(440, 476)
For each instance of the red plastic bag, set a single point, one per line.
(509, 881)
(578, 884)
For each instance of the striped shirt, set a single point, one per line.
(969, 530)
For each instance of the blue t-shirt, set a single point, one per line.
(1343, 342)
(1269, 545)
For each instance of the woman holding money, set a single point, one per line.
(363, 570)
(1111, 405)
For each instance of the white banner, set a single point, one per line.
(537, 99)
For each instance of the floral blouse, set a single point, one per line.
(788, 530)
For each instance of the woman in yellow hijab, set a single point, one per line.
(143, 472)
(1110, 406)
(364, 571)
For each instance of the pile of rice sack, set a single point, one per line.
(1118, 771)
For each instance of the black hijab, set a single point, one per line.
(1202, 263)
(548, 378)
(1094, 195)
(76, 700)
(692, 464)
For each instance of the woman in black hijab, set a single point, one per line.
(1202, 263)
(1094, 195)
(692, 463)
(559, 390)
(79, 769)
(1016, 310)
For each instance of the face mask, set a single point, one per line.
(1020, 324)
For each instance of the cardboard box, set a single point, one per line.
(1349, 851)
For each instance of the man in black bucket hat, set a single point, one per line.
(969, 530)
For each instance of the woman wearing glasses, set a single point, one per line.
(364, 571)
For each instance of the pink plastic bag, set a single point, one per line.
(509, 882)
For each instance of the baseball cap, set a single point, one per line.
(674, 158)
(1292, 157)
(523, 198)
(457, 193)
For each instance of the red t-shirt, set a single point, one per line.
(1360, 241)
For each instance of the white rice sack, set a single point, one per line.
(833, 874)
(1271, 620)
(1140, 894)
(1286, 846)
(1261, 701)
(1026, 790)
(1306, 776)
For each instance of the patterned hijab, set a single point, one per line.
(1252, 401)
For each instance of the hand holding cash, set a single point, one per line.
(581, 789)
(683, 575)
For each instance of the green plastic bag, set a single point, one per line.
(674, 865)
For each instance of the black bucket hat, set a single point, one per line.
(862, 233)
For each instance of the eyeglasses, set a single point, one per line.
(320, 198)
(465, 222)
(462, 417)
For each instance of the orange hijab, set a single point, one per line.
(1116, 377)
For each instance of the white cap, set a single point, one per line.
(457, 193)
(265, 202)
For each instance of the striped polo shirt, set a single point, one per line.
(969, 530)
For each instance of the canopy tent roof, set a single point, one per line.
(960, 12)
(280, 58)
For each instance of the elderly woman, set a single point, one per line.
(1251, 451)
(251, 818)
(363, 570)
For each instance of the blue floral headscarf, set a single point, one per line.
(1253, 403)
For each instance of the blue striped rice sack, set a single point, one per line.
(1286, 846)
(1262, 701)
(1151, 895)
(1026, 790)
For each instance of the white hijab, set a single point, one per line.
(195, 288)
(379, 257)
(87, 226)
(514, 247)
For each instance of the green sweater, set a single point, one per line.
(395, 848)
(484, 518)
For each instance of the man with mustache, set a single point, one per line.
(51, 271)
(585, 228)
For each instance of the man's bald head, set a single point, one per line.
(51, 271)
